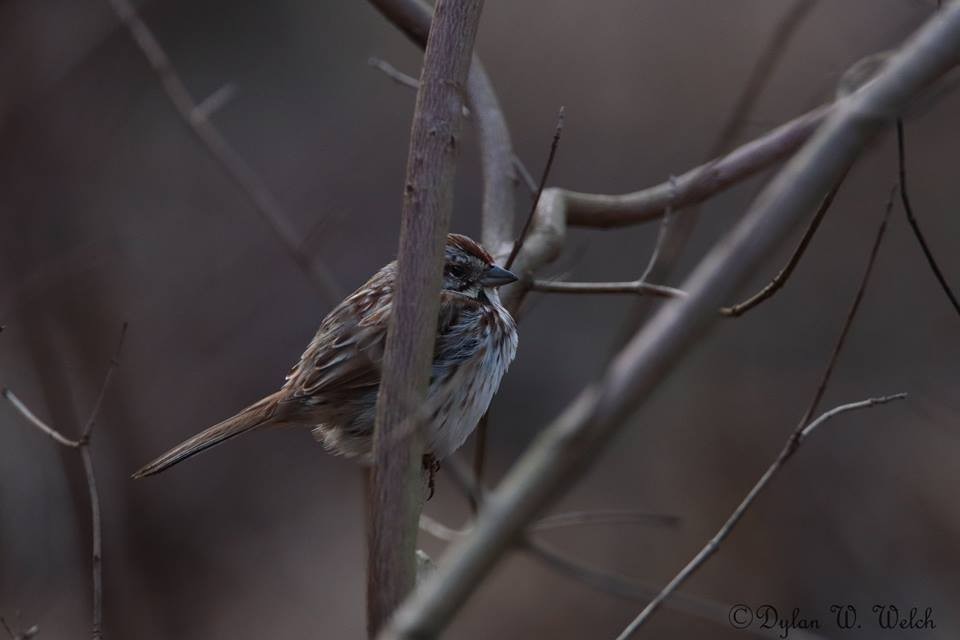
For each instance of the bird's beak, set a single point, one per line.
(496, 277)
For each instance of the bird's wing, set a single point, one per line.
(346, 352)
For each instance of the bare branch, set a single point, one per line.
(619, 586)
(196, 118)
(559, 208)
(781, 278)
(83, 446)
(803, 429)
(562, 452)
(525, 176)
(905, 198)
(594, 578)
(851, 314)
(765, 65)
(562, 520)
(518, 245)
(394, 74)
(636, 286)
(714, 544)
(522, 173)
(114, 363)
(602, 517)
(214, 102)
(14, 634)
(37, 422)
(497, 159)
(96, 549)
(696, 185)
(397, 490)
(672, 243)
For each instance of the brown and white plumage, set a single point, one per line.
(333, 388)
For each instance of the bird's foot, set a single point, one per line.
(431, 465)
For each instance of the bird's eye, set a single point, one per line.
(457, 271)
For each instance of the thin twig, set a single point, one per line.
(802, 430)
(83, 447)
(250, 183)
(114, 363)
(562, 520)
(619, 586)
(26, 634)
(558, 130)
(525, 176)
(603, 517)
(765, 64)
(905, 198)
(406, 80)
(781, 278)
(480, 440)
(663, 236)
(592, 577)
(401, 78)
(714, 544)
(851, 314)
(96, 548)
(636, 286)
(563, 208)
(214, 102)
(37, 422)
(763, 71)
(563, 451)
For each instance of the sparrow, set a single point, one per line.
(333, 389)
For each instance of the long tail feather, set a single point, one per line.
(254, 416)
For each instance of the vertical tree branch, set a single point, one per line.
(427, 201)
(497, 160)
(563, 451)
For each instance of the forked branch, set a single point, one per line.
(82, 445)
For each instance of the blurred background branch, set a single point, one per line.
(197, 118)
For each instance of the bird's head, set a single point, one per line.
(469, 269)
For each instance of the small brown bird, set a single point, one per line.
(333, 389)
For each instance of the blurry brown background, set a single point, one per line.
(111, 211)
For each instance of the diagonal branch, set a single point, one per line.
(31, 417)
(196, 118)
(803, 429)
(598, 579)
(714, 544)
(518, 245)
(781, 278)
(677, 236)
(563, 451)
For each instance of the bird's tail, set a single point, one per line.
(256, 415)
